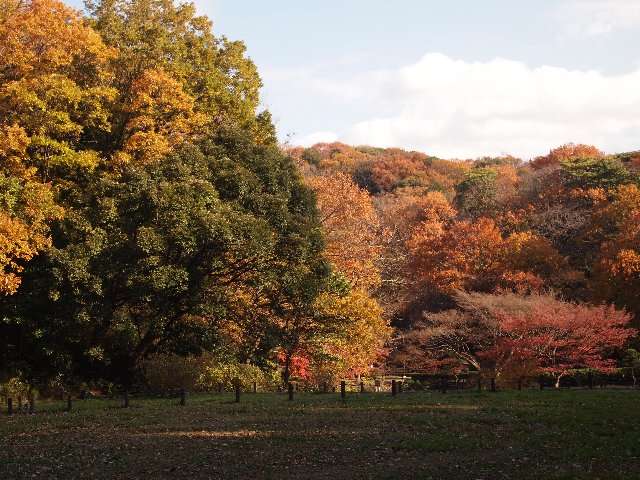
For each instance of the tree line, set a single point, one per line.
(491, 265)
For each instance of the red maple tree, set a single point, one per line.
(559, 336)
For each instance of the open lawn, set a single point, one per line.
(528, 434)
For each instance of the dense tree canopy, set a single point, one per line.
(146, 209)
(148, 262)
(561, 225)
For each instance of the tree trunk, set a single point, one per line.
(557, 384)
(286, 374)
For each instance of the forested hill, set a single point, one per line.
(562, 231)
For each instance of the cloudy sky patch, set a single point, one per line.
(463, 78)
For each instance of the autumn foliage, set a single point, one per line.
(351, 226)
(558, 337)
(563, 224)
(515, 335)
(147, 209)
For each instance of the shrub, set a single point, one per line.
(223, 376)
(16, 387)
(171, 372)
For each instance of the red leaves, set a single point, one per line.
(560, 335)
(518, 335)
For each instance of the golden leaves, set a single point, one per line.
(53, 87)
(26, 207)
(46, 36)
(162, 116)
(363, 336)
(15, 245)
(351, 225)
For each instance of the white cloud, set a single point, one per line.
(458, 109)
(593, 18)
(318, 137)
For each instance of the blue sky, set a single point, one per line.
(456, 79)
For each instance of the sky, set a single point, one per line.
(454, 79)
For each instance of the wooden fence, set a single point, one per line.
(394, 385)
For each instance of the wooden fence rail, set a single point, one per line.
(442, 384)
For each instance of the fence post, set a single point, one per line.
(32, 406)
(493, 384)
(126, 399)
(361, 387)
(479, 385)
(541, 380)
(343, 389)
(9, 405)
(69, 404)
(183, 397)
(290, 387)
(255, 387)
(394, 388)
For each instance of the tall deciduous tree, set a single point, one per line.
(359, 336)
(149, 262)
(351, 226)
(403, 215)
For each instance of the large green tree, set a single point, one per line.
(153, 261)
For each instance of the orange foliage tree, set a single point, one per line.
(351, 227)
(616, 273)
(475, 256)
(611, 212)
(54, 87)
(464, 256)
(401, 215)
(530, 263)
(567, 151)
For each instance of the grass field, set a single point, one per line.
(528, 434)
